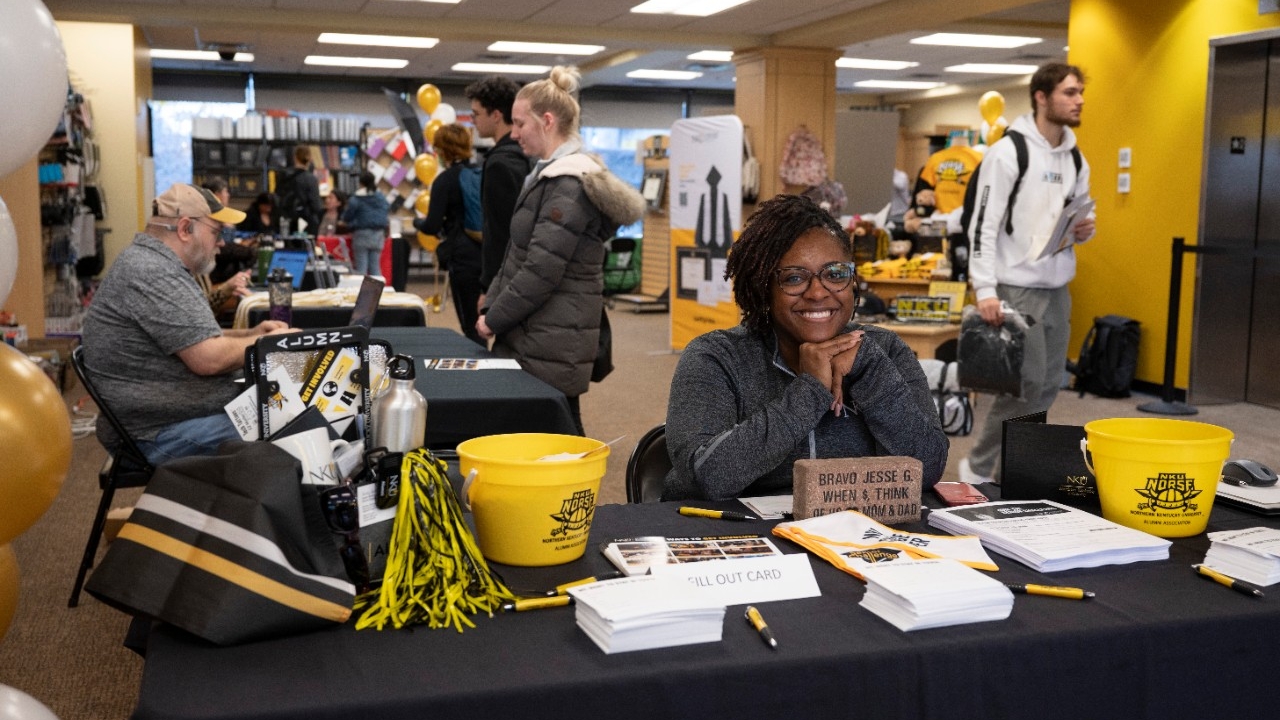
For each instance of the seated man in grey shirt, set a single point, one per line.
(152, 345)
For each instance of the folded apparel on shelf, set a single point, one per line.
(650, 611)
(934, 593)
(1049, 536)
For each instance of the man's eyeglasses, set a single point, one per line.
(834, 277)
(343, 515)
(217, 229)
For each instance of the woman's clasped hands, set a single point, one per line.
(830, 361)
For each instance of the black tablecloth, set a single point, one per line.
(1158, 642)
(314, 318)
(462, 404)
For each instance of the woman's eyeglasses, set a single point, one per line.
(834, 277)
(342, 513)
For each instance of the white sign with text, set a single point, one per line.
(739, 581)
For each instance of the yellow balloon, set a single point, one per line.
(35, 442)
(428, 242)
(991, 105)
(429, 98)
(995, 133)
(8, 587)
(429, 130)
(423, 203)
(425, 167)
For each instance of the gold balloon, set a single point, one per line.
(995, 133)
(423, 203)
(8, 587)
(425, 167)
(35, 442)
(991, 105)
(429, 98)
(428, 242)
(429, 130)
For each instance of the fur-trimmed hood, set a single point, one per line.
(617, 200)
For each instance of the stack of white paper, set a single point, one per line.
(650, 611)
(934, 593)
(1251, 554)
(1050, 536)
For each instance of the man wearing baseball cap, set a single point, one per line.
(151, 342)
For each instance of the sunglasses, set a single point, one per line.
(342, 513)
(835, 277)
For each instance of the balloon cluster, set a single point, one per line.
(425, 166)
(991, 105)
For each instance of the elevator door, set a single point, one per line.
(1235, 340)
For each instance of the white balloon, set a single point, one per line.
(17, 705)
(8, 252)
(33, 83)
(445, 114)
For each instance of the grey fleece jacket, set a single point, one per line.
(738, 417)
(545, 302)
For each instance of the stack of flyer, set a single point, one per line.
(934, 593)
(648, 611)
(1049, 536)
(1251, 554)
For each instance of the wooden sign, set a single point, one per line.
(886, 489)
(926, 308)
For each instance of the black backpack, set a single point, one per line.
(287, 191)
(1108, 357)
(972, 201)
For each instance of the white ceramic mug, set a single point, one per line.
(315, 451)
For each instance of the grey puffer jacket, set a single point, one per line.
(544, 304)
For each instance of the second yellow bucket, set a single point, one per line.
(1155, 474)
(527, 511)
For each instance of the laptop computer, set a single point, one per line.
(367, 302)
(294, 261)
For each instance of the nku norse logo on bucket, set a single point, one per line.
(575, 513)
(1169, 491)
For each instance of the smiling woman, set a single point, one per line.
(798, 378)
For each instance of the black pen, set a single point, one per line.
(716, 514)
(562, 589)
(1239, 586)
(524, 604)
(757, 621)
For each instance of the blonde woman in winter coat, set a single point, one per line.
(543, 307)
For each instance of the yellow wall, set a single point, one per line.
(101, 62)
(1147, 66)
(20, 191)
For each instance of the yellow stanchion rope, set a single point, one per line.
(435, 573)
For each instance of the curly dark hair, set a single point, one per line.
(494, 92)
(769, 233)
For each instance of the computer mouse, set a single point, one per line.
(1248, 473)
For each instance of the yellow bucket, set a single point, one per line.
(1156, 475)
(528, 511)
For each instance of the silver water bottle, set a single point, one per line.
(400, 413)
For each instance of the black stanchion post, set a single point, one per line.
(1167, 405)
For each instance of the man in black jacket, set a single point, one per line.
(505, 168)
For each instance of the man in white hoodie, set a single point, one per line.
(1005, 264)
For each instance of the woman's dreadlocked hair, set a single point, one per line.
(769, 233)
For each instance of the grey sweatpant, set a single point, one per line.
(1043, 362)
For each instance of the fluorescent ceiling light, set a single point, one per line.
(542, 48)
(209, 55)
(403, 41)
(500, 68)
(867, 64)
(898, 84)
(359, 62)
(993, 68)
(711, 56)
(978, 41)
(664, 74)
(699, 8)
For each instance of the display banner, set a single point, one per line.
(706, 217)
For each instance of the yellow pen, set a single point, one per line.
(523, 604)
(1069, 593)
(715, 514)
(562, 589)
(757, 621)
(1239, 586)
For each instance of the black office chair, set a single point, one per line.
(648, 466)
(126, 467)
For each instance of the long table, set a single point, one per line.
(463, 404)
(1158, 642)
